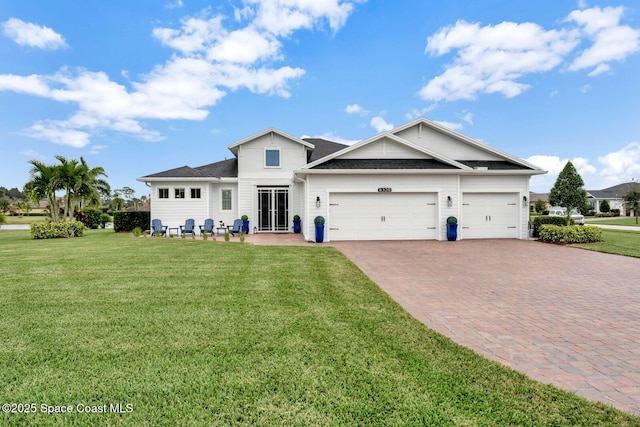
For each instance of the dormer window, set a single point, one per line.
(272, 158)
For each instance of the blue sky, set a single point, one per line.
(142, 87)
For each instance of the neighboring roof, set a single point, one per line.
(234, 147)
(615, 192)
(384, 164)
(534, 197)
(322, 148)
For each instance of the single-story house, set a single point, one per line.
(401, 184)
(614, 196)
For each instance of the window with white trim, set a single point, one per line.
(272, 158)
(163, 193)
(225, 200)
(179, 193)
(195, 193)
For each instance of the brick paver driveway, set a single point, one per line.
(562, 315)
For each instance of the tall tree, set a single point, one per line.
(43, 185)
(90, 187)
(632, 200)
(567, 192)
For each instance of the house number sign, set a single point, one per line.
(384, 190)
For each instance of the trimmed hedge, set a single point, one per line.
(90, 217)
(55, 230)
(127, 221)
(570, 234)
(541, 220)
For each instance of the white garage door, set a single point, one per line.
(489, 215)
(382, 216)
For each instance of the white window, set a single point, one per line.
(163, 193)
(271, 158)
(225, 201)
(179, 193)
(195, 193)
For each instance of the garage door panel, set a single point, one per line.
(382, 216)
(489, 215)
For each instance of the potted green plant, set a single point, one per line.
(296, 223)
(245, 224)
(319, 223)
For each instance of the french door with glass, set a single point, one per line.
(273, 209)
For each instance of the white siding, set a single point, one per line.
(444, 144)
(251, 154)
(174, 212)
(384, 149)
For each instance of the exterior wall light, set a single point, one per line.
(524, 201)
(449, 201)
(318, 202)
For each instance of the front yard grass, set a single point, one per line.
(617, 242)
(628, 221)
(192, 332)
(15, 219)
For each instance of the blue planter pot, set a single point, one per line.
(319, 233)
(296, 226)
(452, 232)
(245, 227)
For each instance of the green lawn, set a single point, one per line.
(631, 221)
(618, 242)
(192, 332)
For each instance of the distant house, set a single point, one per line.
(401, 184)
(535, 197)
(613, 195)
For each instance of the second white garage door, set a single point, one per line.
(382, 216)
(489, 215)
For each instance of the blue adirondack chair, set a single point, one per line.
(157, 227)
(237, 227)
(188, 227)
(207, 227)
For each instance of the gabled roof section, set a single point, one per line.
(223, 169)
(470, 141)
(181, 172)
(322, 148)
(384, 135)
(234, 147)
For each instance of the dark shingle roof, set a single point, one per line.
(615, 192)
(181, 172)
(493, 164)
(224, 168)
(322, 148)
(384, 164)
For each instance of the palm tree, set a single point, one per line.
(68, 173)
(89, 187)
(43, 185)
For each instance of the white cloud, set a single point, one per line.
(355, 109)
(417, 113)
(450, 125)
(380, 125)
(209, 62)
(174, 4)
(623, 164)
(494, 58)
(611, 41)
(490, 59)
(467, 117)
(615, 168)
(585, 88)
(28, 34)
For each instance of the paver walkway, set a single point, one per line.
(561, 315)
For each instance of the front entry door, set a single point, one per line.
(273, 209)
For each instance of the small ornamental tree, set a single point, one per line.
(604, 206)
(632, 200)
(567, 192)
(540, 205)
